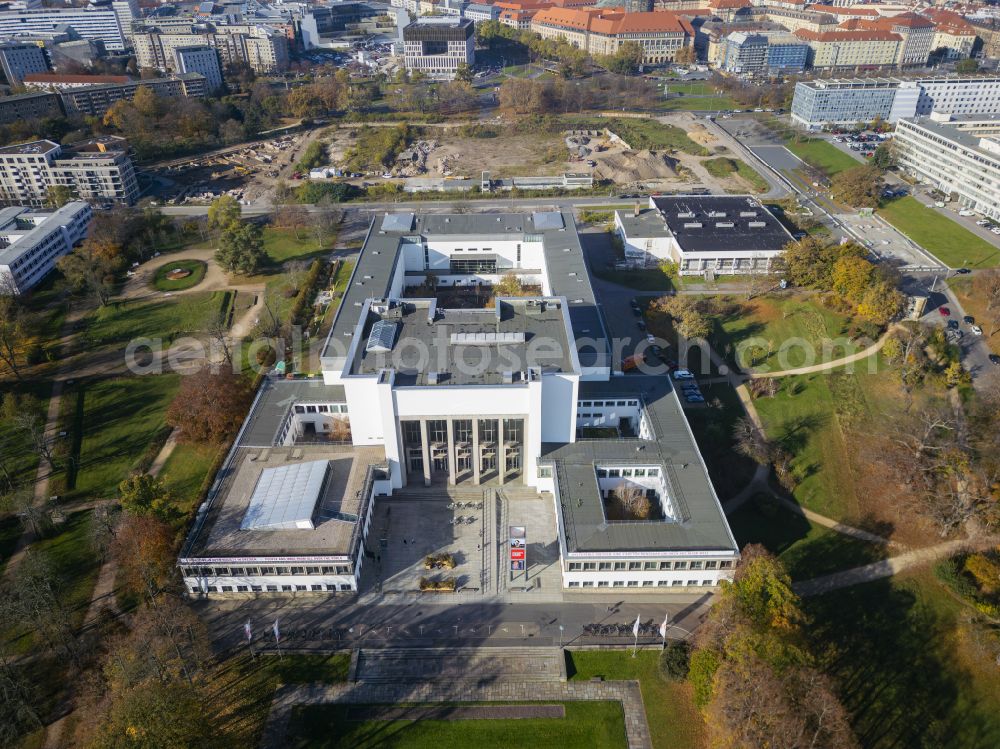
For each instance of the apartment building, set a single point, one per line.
(32, 241)
(263, 49)
(97, 170)
(96, 100)
(19, 59)
(203, 60)
(949, 154)
(27, 107)
(106, 22)
(988, 36)
(436, 46)
(744, 53)
(952, 33)
(846, 101)
(599, 31)
(845, 49)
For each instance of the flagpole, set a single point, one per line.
(249, 633)
(277, 638)
(635, 633)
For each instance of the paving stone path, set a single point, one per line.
(499, 685)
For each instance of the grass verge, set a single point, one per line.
(196, 268)
(822, 155)
(674, 721)
(949, 242)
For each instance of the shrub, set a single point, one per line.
(675, 661)
(701, 673)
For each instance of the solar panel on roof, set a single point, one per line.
(382, 336)
(548, 220)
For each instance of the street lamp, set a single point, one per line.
(561, 628)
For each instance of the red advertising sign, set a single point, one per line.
(517, 553)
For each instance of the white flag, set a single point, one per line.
(635, 627)
(247, 631)
(663, 627)
(277, 632)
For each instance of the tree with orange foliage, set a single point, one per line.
(210, 405)
(144, 549)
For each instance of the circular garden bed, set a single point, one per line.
(178, 275)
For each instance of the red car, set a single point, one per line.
(945, 312)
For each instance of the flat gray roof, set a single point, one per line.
(703, 525)
(335, 516)
(275, 400)
(565, 265)
(966, 138)
(720, 223)
(465, 346)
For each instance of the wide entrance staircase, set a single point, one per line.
(479, 665)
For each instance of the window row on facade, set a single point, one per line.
(340, 569)
(695, 564)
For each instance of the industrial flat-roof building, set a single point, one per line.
(720, 234)
(434, 387)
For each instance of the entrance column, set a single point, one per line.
(501, 453)
(476, 458)
(426, 448)
(452, 464)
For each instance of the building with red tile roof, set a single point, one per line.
(601, 31)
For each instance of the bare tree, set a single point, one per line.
(751, 442)
(13, 333)
(633, 501)
(218, 332)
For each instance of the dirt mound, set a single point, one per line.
(634, 166)
(700, 135)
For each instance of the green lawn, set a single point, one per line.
(599, 725)
(185, 470)
(16, 453)
(642, 133)
(69, 551)
(197, 269)
(160, 319)
(111, 424)
(283, 244)
(807, 550)
(790, 332)
(915, 666)
(723, 167)
(674, 721)
(713, 429)
(949, 242)
(822, 155)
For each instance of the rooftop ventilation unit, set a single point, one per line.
(748, 214)
(508, 378)
(757, 224)
(717, 214)
(724, 224)
(686, 214)
(432, 378)
(486, 338)
(431, 311)
(692, 225)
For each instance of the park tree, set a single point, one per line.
(689, 318)
(158, 715)
(144, 550)
(464, 73)
(851, 276)
(87, 269)
(626, 60)
(209, 405)
(223, 213)
(860, 186)
(59, 195)
(521, 96)
(883, 158)
(143, 494)
(967, 66)
(881, 302)
(241, 248)
(750, 441)
(809, 262)
(685, 55)
(14, 334)
(509, 285)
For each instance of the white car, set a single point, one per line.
(995, 230)
(650, 338)
(976, 330)
(966, 212)
(683, 374)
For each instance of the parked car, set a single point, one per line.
(683, 374)
(995, 230)
(650, 338)
(994, 359)
(966, 212)
(640, 324)
(976, 330)
(962, 271)
(969, 320)
(693, 398)
(953, 325)
(945, 312)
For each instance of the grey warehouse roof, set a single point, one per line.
(716, 223)
(285, 496)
